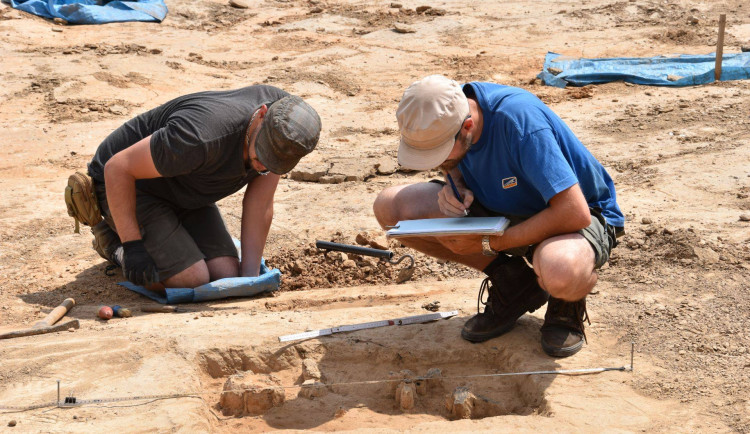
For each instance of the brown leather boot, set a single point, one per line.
(512, 290)
(562, 332)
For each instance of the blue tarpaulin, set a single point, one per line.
(682, 70)
(94, 11)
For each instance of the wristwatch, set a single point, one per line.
(487, 249)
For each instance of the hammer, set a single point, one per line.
(47, 325)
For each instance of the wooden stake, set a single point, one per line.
(720, 46)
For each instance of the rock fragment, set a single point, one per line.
(312, 389)
(460, 403)
(745, 217)
(386, 166)
(239, 4)
(403, 28)
(246, 393)
(406, 394)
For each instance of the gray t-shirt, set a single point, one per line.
(197, 143)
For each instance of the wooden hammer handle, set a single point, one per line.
(56, 313)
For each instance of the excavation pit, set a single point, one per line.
(386, 376)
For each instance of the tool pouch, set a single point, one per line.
(80, 200)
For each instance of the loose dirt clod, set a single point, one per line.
(460, 404)
(312, 389)
(406, 394)
(246, 393)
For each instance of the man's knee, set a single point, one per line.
(565, 268)
(222, 267)
(191, 277)
(388, 208)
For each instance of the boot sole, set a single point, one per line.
(481, 337)
(562, 352)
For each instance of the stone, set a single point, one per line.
(386, 166)
(246, 393)
(316, 10)
(380, 242)
(312, 389)
(554, 71)
(349, 263)
(60, 21)
(646, 221)
(421, 9)
(460, 403)
(362, 239)
(706, 255)
(308, 172)
(435, 12)
(396, 5)
(432, 381)
(403, 28)
(310, 370)
(433, 306)
(332, 179)
(299, 267)
(239, 4)
(672, 77)
(745, 48)
(406, 394)
(12, 423)
(353, 170)
(118, 110)
(55, 29)
(745, 217)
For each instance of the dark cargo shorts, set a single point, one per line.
(601, 236)
(176, 238)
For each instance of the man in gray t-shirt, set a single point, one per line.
(158, 176)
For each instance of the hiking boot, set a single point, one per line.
(512, 290)
(107, 244)
(562, 332)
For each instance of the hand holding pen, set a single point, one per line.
(455, 191)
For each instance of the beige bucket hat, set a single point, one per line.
(429, 115)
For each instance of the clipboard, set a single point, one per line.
(449, 226)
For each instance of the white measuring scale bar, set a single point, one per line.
(417, 319)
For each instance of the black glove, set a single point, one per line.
(137, 265)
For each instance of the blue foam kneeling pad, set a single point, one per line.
(268, 281)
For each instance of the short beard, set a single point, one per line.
(453, 162)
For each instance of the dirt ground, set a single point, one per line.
(677, 285)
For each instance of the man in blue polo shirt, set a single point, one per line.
(508, 155)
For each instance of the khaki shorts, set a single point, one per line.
(175, 238)
(601, 236)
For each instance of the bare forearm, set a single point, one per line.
(567, 213)
(120, 187)
(256, 224)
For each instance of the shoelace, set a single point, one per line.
(581, 317)
(485, 287)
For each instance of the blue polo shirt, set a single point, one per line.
(526, 155)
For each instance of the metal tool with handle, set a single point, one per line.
(403, 275)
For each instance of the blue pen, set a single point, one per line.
(455, 191)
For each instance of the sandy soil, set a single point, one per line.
(677, 285)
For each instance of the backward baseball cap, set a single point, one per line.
(290, 130)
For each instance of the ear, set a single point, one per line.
(262, 111)
(468, 125)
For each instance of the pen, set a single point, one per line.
(455, 191)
